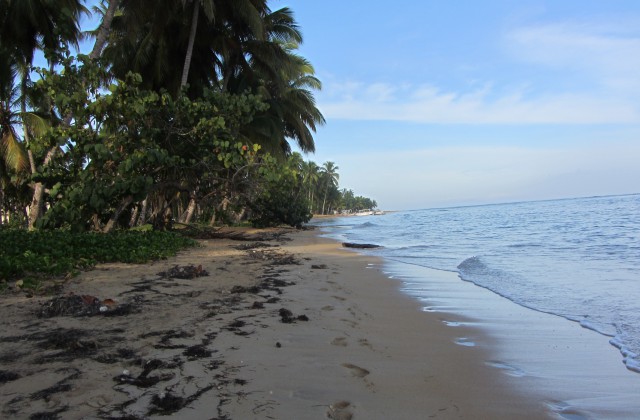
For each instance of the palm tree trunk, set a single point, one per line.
(37, 203)
(192, 37)
(143, 212)
(2, 208)
(191, 208)
(134, 215)
(116, 214)
(324, 199)
(105, 28)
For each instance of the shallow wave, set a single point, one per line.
(573, 258)
(365, 225)
(472, 265)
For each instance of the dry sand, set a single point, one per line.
(292, 328)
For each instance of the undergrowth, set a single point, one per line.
(38, 254)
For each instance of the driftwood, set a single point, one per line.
(361, 246)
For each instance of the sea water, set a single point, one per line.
(575, 258)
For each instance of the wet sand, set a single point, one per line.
(574, 371)
(294, 327)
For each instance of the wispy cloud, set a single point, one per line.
(428, 104)
(605, 57)
(609, 52)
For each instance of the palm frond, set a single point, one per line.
(12, 151)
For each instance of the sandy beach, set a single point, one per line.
(291, 327)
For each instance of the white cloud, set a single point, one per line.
(428, 104)
(608, 51)
(601, 61)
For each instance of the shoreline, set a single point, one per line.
(576, 371)
(296, 328)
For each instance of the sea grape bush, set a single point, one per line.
(127, 144)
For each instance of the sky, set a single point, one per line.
(444, 103)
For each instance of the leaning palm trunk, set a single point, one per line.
(105, 28)
(116, 214)
(134, 215)
(192, 37)
(191, 208)
(143, 212)
(37, 202)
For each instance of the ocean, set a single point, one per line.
(578, 258)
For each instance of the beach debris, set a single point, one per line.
(287, 317)
(242, 289)
(197, 352)
(253, 245)
(184, 272)
(237, 235)
(360, 246)
(275, 257)
(82, 305)
(62, 385)
(143, 380)
(7, 376)
(166, 403)
(319, 266)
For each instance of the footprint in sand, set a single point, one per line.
(339, 341)
(365, 343)
(340, 411)
(356, 371)
(351, 323)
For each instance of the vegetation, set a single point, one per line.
(58, 252)
(183, 111)
(129, 134)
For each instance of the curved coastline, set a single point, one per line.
(573, 370)
(302, 328)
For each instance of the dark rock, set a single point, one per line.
(361, 246)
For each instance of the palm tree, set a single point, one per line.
(13, 157)
(330, 177)
(292, 112)
(149, 45)
(310, 177)
(27, 26)
(209, 11)
(107, 11)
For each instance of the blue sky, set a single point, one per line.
(437, 103)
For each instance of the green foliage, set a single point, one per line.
(54, 253)
(129, 143)
(281, 200)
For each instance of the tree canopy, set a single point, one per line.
(184, 110)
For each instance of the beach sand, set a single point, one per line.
(292, 328)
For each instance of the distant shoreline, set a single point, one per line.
(331, 216)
